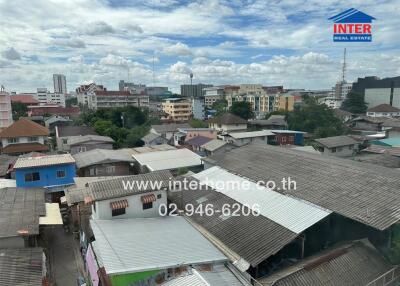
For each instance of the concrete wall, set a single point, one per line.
(376, 96)
(343, 151)
(40, 140)
(228, 127)
(134, 210)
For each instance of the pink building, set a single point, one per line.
(5, 110)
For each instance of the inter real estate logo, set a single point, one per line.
(352, 25)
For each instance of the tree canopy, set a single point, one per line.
(197, 123)
(242, 109)
(354, 103)
(18, 110)
(220, 106)
(317, 119)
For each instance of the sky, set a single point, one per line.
(271, 42)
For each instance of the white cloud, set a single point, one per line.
(113, 60)
(77, 59)
(98, 28)
(179, 49)
(70, 43)
(180, 68)
(11, 54)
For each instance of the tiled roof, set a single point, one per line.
(86, 138)
(150, 137)
(24, 128)
(100, 156)
(197, 141)
(112, 92)
(357, 263)
(42, 110)
(172, 127)
(369, 194)
(42, 161)
(336, 141)
(214, 145)
(20, 209)
(66, 131)
(24, 147)
(24, 98)
(227, 118)
(21, 266)
(383, 108)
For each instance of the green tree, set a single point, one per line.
(103, 127)
(72, 101)
(134, 137)
(242, 109)
(18, 110)
(354, 103)
(220, 106)
(197, 123)
(317, 119)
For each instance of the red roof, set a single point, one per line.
(42, 110)
(24, 128)
(112, 92)
(24, 148)
(24, 98)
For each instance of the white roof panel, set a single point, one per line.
(7, 183)
(144, 244)
(293, 214)
(168, 160)
(251, 134)
(53, 215)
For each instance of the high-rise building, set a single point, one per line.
(193, 90)
(60, 83)
(5, 110)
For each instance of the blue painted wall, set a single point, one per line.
(48, 176)
(299, 139)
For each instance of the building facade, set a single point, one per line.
(45, 97)
(287, 102)
(212, 94)
(198, 108)
(177, 109)
(384, 95)
(105, 99)
(85, 91)
(193, 90)
(60, 83)
(5, 110)
(134, 88)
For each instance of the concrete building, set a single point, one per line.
(332, 102)
(65, 133)
(134, 88)
(104, 99)
(212, 94)
(60, 83)
(198, 108)
(5, 110)
(85, 143)
(339, 146)
(177, 109)
(342, 89)
(45, 97)
(193, 90)
(383, 110)
(287, 101)
(158, 91)
(85, 91)
(387, 95)
(227, 122)
(242, 138)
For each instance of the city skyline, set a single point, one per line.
(285, 43)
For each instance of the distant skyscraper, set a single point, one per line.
(60, 83)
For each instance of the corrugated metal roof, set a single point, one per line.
(254, 238)
(168, 160)
(141, 244)
(115, 188)
(336, 141)
(82, 139)
(42, 161)
(355, 264)
(100, 156)
(214, 145)
(251, 134)
(362, 192)
(21, 266)
(289, 212)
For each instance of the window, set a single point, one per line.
(110, 169)
(92, 171)
(118, 212)
(12, 140)
(333, 150)
(159, 196)
(60, 174)
(32, 177)
(147, 205)
(33, 139)
(65, 141)
(82, 149)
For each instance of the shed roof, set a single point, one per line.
(168, 160)
(24, 128)
(100, 156)
(197, 141)
(251, 134)
(20, 210)
(227, 118)
(42, 161)
(24, 98)
(144, 244)
(150, 137)
(369, 194)
(5, 161)
(75, 140)
(357, 263)
(21, 266)
(336, 141)
(66, 131)
(114, 188)
(213, 145)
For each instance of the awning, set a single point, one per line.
(148, 198)
(122, 204)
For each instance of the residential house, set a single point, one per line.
(103, 162)
(227, 122)
(383, 110)
(37, 119)
(214, 147)
(175, 245)
(243, 138)
(168, 130)
(339, 146)
(24, 136)
(332, 102)
(152, 139)
(173, 160)
(195, 143)
(273, 122)
(185, 134)
(56, 120)
(343, 115)
(338, 265)
(287, 137)
(177, 109)
(391, 126)
(381, 159)
(65, 133)
(137, 196)
(53, 172)
(389, 142)
(85, 143)
(365, 123)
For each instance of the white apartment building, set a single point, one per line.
(85, 91)
(46, 97)
(198, 108)
(5, 110)
(60, 83)
(212, 94)
(332, 102)
(104, 98)
(342, 89)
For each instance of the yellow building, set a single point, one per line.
(286, 102)
(177, 109)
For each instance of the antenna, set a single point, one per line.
(344, 67)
